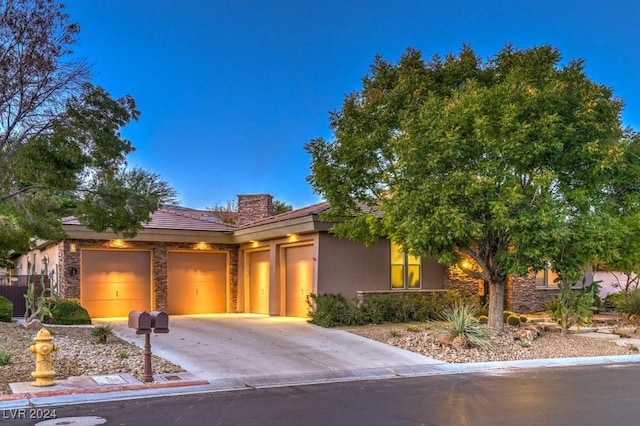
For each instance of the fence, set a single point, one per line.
(15, 288)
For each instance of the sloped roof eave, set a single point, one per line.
(81, 232)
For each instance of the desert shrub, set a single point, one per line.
(513, 320)
(69, 312)
(483, 310)
(381, 308)
(523, 319)
(574, 307)
(6, 309)
(483, 319)
(506, 314)
(628, 302)
(459, 321)
(330, 310)
(5, 357)
(101, 333)
(414, 328)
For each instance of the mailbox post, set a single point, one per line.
(144, 322)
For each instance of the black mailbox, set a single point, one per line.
(141, 321)
(159, 321)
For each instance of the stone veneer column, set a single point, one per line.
(160, 277)
(69, 274)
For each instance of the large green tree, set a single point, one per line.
(513, 162)
(61, 151)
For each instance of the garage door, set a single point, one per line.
(299, 279)
(196, 283)
(114, 283)
(259, 282)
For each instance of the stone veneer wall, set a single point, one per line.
(252, 208)
(69, 283)
(520, 294)
(527, 297)
(456, 279)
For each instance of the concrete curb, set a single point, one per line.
(273, 381)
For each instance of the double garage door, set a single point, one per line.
(117, 282)
(298, 280)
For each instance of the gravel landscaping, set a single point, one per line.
(425, 339)
(78, 355)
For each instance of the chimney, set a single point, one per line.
(254, 207)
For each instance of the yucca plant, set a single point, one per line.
(460, 321)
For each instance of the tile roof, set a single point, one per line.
(180, 219)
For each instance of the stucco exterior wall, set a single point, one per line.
(70, 266)
(346, 266)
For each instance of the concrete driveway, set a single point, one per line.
(269, 350)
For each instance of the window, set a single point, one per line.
(547, 278)
(405, 269)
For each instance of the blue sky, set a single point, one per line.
(231, 90)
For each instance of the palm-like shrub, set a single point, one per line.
(460, 321)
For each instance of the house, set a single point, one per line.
(184, 261)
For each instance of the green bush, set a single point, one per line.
(574, 306)
(69, 312)
(506, 314)
(101, 333)
(459, 321)
(523, 319)
(628, 302)
(513, 320)
(483, 319)
(5, 357)
(6, 309)
(483, 310)
(328, 310)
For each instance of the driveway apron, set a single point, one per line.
(224, 346)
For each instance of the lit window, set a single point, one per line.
(405, 268)
(548, 278)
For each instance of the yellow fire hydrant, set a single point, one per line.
(43, 349)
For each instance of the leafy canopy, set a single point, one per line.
(513, 161)
(61, 151)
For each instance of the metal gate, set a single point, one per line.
(15, 288)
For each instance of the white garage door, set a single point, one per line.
(299, 279)
(259, 282)
(114, 283)
(196, 283)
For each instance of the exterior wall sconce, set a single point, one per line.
(117, 243)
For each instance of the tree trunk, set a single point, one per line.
(496, 303)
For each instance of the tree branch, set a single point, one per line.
(20, 191)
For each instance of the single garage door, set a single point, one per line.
(259, 282)
(114, 283)
(196, 283)
(299, 279)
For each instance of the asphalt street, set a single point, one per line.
(585, 395)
